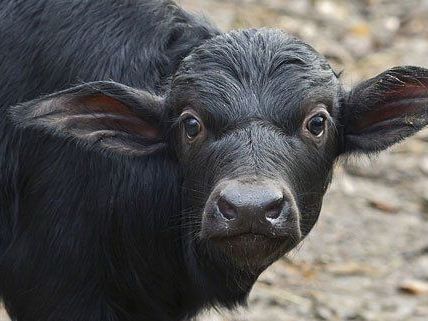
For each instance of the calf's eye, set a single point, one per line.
(192, 127)
(316, 125)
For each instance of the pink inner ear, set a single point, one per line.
(402, 102)
(116, 113)
(103, 103)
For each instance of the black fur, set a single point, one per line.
(102, 195)
(48, 45)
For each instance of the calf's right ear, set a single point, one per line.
(104, 115)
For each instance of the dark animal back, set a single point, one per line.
(49, 45)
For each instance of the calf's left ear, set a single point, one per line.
(383, 110)
(103, 116)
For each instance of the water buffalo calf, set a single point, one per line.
(126, 204)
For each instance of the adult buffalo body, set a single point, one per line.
(152, 203)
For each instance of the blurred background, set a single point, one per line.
(367, 258)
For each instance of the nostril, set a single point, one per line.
(273, 210)
(226, 209)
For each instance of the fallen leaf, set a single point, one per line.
(414, 287)
(351, 268)
(383, 206)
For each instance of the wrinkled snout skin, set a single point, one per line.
(243, 206)
(254, 175)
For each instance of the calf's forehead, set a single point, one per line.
(254, 73)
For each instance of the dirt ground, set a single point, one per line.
(367, 258)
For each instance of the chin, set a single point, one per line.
(253, 253)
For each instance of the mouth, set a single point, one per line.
(254, 251)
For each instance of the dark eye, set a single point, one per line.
(316, 125)
(192, 127)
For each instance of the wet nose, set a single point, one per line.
(251, 206)
(251, 219)
(251, 202)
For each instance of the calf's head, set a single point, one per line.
(255, 121)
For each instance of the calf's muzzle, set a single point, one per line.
(264, 207)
